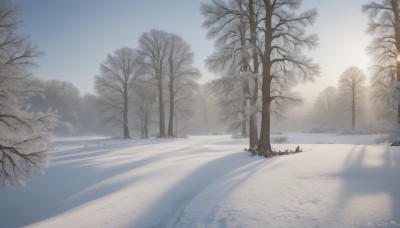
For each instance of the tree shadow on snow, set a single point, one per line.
(362, 180)
(76, 177)
(168, 209)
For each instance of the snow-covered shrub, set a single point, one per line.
(280, 139)
(394, 136)
(382, 139)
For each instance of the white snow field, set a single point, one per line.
(208, 181)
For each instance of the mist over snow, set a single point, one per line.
(211, 113)
(208, 181)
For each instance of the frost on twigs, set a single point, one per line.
(23, 145)
(16, 167)
(24, 135)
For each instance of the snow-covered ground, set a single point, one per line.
(208, 181)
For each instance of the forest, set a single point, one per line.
(149, 96)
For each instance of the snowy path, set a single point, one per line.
(207, 181)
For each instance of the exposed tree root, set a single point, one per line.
(395, 143)
(255, 152)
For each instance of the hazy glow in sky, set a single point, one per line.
(77, 35)
(341, 28)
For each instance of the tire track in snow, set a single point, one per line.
(167, 210)
(185, 201)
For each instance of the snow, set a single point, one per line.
(208, 181)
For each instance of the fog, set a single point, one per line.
(75, 59)
(82, 115)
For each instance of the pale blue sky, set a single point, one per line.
(76, 35)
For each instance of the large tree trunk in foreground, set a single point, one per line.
(264, 145)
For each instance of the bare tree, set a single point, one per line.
(275, 36)
(24, 135)
(143, 105)
(230, 100)
(153, 49)
(234, 39)
(282, 61)
(253, 15)
(351, 92)
(63, 97)
(384, 26)
(326, 104)
(205, 97)
(184, 106)
(115, 84)
(206, 112)
(76, 114)
(181, 75)
(60, 96)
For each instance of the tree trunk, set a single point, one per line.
(142, 130)
(353, 111)
(145, 130)
(253, 131)
(161, 107)
(398, 115)
(244, 130)
(143, 135)
(146, 127)
(205, 112)
(170, 130)
(125, 117)
(245, 69)
(264, 144)
(246, 95)
(171, 110)
(176, 125)
(395, 9)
